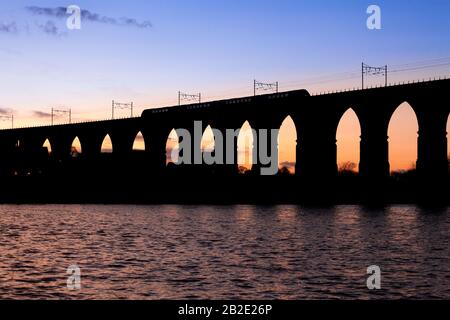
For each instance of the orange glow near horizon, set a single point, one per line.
(76, 145)
(171, 145)
(139, 143)
(403, 134)
(245, 146)
(348, 138)
(208, 142)
(48, 146)
(448, 136)
(287, 145)
(107, 146)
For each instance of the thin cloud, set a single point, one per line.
(59, 12)
(10, 27)
(50, 28)
(86, 15)
(5, 111)
(40, 114)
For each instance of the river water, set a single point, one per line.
(222, 252)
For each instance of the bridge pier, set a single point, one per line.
(316, 145)
(155, 149)
(265, 148)
(230, 150)
(91, 143)
(194, 131)
(8, 156)
(432, 150)
(374, 154)
(61, 146)
(316, 156)
(122, 142)
(374, 114)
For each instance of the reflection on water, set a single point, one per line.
(221, 252)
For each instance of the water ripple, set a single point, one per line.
(223, 252)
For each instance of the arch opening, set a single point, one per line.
(75, 149)
(245, 148)
(172, 148)
(208, 143)
(287, 147)
(48, 146)
(208, 140)
(139, 142)
(107, 146)
(402, 136)
(348, 141)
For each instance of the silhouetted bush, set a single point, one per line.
(284, 171)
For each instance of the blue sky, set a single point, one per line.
(216, 47)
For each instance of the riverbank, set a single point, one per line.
(214, 190)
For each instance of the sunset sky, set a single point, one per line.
(217, 48)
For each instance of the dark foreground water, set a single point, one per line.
(251, 252)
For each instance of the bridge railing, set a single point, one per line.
(391, 84)
(67, 124)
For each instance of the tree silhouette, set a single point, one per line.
(243, 170)
(347, 167)
(284, 171)
(74, 152)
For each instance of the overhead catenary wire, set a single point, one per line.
(317, 80)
